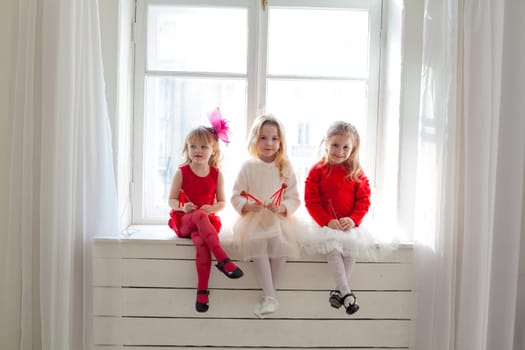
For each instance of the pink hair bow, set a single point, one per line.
(220, 125)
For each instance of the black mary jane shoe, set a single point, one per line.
(335, 299)
(202, 307)
(237, 273)
(353, 307)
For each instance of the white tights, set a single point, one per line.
(268, 271)
(341, 268)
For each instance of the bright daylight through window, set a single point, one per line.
(308, 63)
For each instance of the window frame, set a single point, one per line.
(255, 75)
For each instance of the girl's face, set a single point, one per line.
(199, 152)
(268, 143)
(338, 148)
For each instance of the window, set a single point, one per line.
(307, 62)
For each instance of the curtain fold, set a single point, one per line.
(471, 160)
(62, 186)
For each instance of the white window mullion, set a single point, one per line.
(137, 183)
(261, 52)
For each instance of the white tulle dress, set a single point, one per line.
(264, 233)
(331, 194)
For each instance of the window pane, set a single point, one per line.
(173, 107)
(319, 42)
(197, 39)
(307, 111)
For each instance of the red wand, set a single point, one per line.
(278, 195)
(182, 198)
(249, 196)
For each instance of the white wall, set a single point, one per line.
(8, 21)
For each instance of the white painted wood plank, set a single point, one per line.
(109, 301)
(298, 275)
(109, 331)
(177, 248)
(107, 272)
(251, 332)
(239, 304)
(227, 348)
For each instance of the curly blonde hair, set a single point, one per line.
(281, 158)
(205, 135)
(352, 163)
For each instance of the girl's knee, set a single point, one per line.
(199, 215)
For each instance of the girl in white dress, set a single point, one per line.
(265, 195)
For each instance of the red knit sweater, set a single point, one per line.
(330, 194)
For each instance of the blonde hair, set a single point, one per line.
(352, 163)
(207, 136)
(281, 158)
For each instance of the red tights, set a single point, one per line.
(206, 240)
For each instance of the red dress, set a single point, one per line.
(199, 191)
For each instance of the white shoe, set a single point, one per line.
(267, 306)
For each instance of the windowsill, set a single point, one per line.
(142, 233)
(162, 233)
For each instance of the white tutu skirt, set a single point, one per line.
(357, 242)
(265, 234)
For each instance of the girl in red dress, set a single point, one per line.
(197, 193)
(337, 197)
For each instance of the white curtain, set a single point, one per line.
(471, 178)
(62, 186)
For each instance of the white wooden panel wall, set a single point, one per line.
(144, 296)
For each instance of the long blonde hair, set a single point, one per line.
(281, 158)
(352, 163)
(205, 135)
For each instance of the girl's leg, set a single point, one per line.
(278, 264)
(349, 262)
(199, 221)
(202, 261)
(203, 265)
(337, 268)
(263, 271)
(269, 303)
(336, 262)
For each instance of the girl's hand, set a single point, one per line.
(252, 207)
(189, 207)
(207, 208)
(335, 224)
(346, 223)
(276, 209)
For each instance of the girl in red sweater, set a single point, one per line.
(337, 197)
(197, 193)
